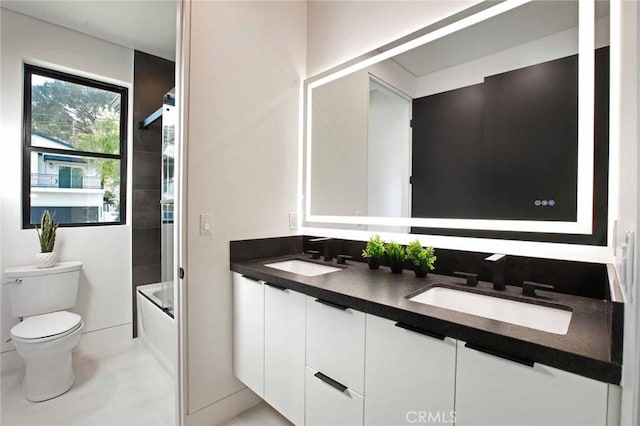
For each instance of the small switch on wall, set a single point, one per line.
(293, 220)
(206, 223)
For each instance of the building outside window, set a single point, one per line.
(74, 157)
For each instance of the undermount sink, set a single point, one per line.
(544, 318)
(301, 267)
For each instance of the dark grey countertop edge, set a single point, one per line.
(603, 371)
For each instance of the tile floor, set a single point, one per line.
(260, 415)
(118, 385)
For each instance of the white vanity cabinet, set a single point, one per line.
(320, 363)
(329, 403)
(284, 351)
(335, 342)
(493, 391)
(248, 332)
(335, 364)
(409, 375)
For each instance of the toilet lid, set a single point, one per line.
(46, 325)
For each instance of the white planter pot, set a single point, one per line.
(46, 260)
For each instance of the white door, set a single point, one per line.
(409, 376)
(284, 356)
(248, 332)
(388, 154)
(492, 391)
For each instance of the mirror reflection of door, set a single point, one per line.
(389, 153)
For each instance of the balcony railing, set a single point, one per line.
(41, 180)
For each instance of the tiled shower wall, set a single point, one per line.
(153, 77)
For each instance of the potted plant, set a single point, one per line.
(396, 255)
(422, 258)
(374, 251)
(47, 236)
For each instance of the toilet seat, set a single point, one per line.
(46, 327)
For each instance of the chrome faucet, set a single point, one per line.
(498, 263)
(326, 245)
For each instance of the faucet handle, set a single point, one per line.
(315, 254)
(498, 264)
(472, 279)
(529, 288)
(342, 259)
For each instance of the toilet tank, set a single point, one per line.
(34, 291)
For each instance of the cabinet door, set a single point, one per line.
(409, 376)
(335, 342)
(284, 360)
(248, 332)
(493, 391)
(328, 405)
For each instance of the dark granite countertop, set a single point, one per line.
(584, 350)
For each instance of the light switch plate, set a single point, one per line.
(206, 224)
(293, 220)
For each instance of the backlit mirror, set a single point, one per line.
(485, 122)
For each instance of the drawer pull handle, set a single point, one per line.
(252, 279)
(328, 380)
(502, 355)
(276, 286)
(333, 305)
(421, 331)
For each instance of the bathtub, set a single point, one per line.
(156, 327)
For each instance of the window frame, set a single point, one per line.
(27, 148)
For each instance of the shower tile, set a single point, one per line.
(147, 167)
(146, 274)
(146, 246)
(148, 140)
(147, 209)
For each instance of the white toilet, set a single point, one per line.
(48, 332)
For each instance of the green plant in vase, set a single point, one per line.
(422, 258)
(396, 255)
(47, 236)
(374, 251)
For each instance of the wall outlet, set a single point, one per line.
(293, 220)
(206, 224)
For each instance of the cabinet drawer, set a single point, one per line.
(328, 405)
(493, 391)
(248, 332)
(335, 343)
(409, 376)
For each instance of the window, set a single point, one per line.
(74, 156)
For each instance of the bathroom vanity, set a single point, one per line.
(349, 347)
(492, 123)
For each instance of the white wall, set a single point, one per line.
(396, 76)
(247, 62)
(554, 46)
(104, 298)
(342, 30)
(339, 148)
(628, 203)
